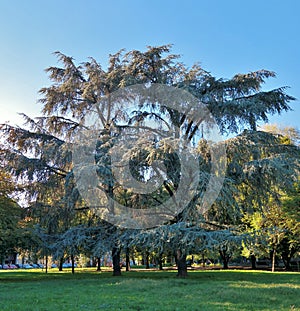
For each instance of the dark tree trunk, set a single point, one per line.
(287, 254)
(127, 259)
(116, 261)
(253, 261)
(225, 263)
(287, 263)
(98, 263)
(60, 267)
(46, 263)
(73, 264)
(225, 258)
(160, 262)
(181, 264)
(147, 260)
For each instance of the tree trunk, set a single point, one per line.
(225, 258)
(181, 264)
(225, 264)
(287, 262)
(73, 264)
(127, 259)
(46, 264)
(160, 262)
(98, 263)
(147, 260)
(60, 267)
(116, 261)
(273, 259)
(253, 262)
(286, 255)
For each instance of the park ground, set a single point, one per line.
(87, 289)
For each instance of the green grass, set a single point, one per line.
(202, 290)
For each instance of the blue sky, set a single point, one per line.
(226, 37)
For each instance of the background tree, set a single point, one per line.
(289, 135)
(11, 231)
(272, 162)
(290, 213)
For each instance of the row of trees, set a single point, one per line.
(66, 211)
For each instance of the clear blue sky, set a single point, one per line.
(226, 37)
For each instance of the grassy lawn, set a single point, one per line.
(202, 290)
